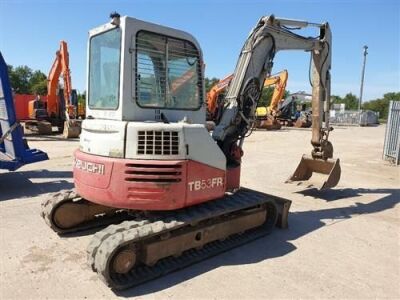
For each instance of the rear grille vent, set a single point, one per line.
(157, 142)
(153, 173)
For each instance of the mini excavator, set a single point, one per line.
(146, 158)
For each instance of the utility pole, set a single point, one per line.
(362, 78)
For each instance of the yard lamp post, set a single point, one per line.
(362, 78)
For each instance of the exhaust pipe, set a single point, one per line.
(309, 165)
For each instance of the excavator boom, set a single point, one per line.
(280, 82)
(254, 65)
(213, 106)
(61, 67)
(266, 116)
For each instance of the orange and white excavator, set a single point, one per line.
(61, 107)
(266, 115)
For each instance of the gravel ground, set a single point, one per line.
(341, 243)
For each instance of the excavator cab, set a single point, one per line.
(37, 109)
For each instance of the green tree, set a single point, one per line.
(26, 81)
(39, 88)
(381, 105)
(336, 99)
(266, 96)
(38, 83)
(19, 78)
(350, 101)
(82, 97)
(210, 82)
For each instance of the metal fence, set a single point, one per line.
(391, 148)
(353, 117)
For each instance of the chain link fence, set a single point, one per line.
(391, 148)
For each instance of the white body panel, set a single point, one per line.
(103, 137)
(128, 109)
(106, 138)
(203, 148)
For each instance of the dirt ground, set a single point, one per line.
(342, 243)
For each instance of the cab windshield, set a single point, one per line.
(104, 67)
(168, 73)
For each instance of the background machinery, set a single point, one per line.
(61, 107)
(146, 155)
(294, 113)
(266, 116)
(14, 150)
(215, 99)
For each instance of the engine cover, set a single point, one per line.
(146, 184)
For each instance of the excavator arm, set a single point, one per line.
(254, 65)
(267, 114)
(212, 96)
(61, 67)
(52, 86)
(67, 78)
(280, 82)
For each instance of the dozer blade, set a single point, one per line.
(72, 129)
(309, 165)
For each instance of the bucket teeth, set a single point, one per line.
(309, 165)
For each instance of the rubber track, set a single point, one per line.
(55, 200)
(130, 234)
(100, 236)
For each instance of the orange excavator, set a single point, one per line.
(61, 107)
(266, 116)
(215, 102)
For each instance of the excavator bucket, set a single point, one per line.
(309, 165)
(72, 129)
(301, 123)
(269, 124)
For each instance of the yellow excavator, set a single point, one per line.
(266, 116)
